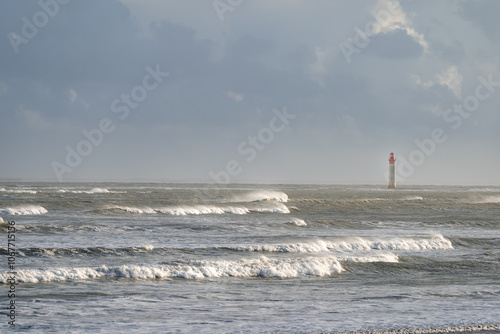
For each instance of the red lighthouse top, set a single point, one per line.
(392, 159)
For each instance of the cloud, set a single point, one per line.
(3, 88)
(420, 61)
(33, 119)
(452, 79)
(449, 78)
(236, 97)
(72, 95)
(318, 70)
(396, 44)
(483, 14)
(393, 18)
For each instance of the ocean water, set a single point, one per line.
(194, 258)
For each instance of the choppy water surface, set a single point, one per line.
(251, 258)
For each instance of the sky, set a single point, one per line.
(234, 91)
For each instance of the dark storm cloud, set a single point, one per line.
(225, 78)
(394, 45)
(484, 14)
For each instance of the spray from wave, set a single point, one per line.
(487, 200)
(261, 195)
(297, 221)
(184, 210)
(24, 210)
(18, 191)
(437, 242)
(92, 191)
(258, 267)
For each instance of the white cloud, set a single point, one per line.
(32, 118)
(3, 88)
(318, 70)
(72, 95)
(35, 120)
(418, 81)
(452, 79)
(235, 96)
(391, 17)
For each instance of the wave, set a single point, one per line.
(92, 191)
(376, 199)
(37, 251)
(132, 209)
(487, 200)
(18, 191)
(201, 210)
(272, 208)
(297, 221)
(437, 242)
(258, 267)
(386, 258)
(184, 210)
(24, 210)
(413, 198)
(260, 196)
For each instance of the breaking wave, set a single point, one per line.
(91, 191)
(261, 195)
(487, 200)
(437, 242)
(24, 210)
(376, 199)
(37, 251)
(258, 267)
(184, 210)
(201, 210)
(297, 221)
(18, 191)
(413, 198)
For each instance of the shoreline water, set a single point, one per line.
(480, 329)
(260, 259)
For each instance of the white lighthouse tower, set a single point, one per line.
(392, 172)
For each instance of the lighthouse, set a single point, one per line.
(392, 172)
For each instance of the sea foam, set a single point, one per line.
(24, 210)
(258, 267)
(437, 242)
(297, 221)
(261, 195)
(487, 200)
(184, 210)
(92, 191)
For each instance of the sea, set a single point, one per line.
(247, 258)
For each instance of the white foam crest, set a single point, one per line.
(261, 195)
(386, 258)
(1, 220)
(24, 210)
(487, 200)
(91, 191)
(18, 191)
(259, 267)
(297, 221)
(184, 210)
(413, 198)
(132, 209)
(274, 208)
(437, 242)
